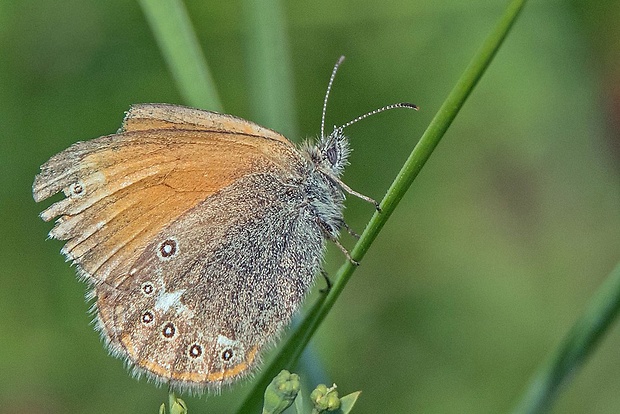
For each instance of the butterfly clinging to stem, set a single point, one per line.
(199, 234)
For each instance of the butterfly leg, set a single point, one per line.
(328, 282)
(345, 252)
(332, 234)
(359, 195)
(350, 230)
(352, 191)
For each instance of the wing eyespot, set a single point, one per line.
(147, 288)
(147, 317)
(195, 351)
(168, 330)
(168, 249)
(76, 190)
(227, 354)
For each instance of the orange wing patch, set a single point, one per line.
(192, 377)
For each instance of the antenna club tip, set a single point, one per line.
(410, 105)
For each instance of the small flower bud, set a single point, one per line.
(281, 392)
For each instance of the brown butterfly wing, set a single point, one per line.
(165, 116)
(217, 285)
(122, 189)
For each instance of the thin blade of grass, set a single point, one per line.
(574, 349)
(268, 65)
(178, 43)
(300, 335)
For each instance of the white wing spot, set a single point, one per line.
(167, 300)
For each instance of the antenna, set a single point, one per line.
(379, 110)
(329, 88)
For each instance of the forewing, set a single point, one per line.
(122, 189)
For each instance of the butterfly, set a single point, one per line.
(199, 234)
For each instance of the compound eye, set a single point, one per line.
(332, 155)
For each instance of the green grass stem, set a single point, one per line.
(578, 344)
(179, 45)
(269, 66)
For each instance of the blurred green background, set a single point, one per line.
(482, 270)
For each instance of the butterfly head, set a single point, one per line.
(331, 153)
